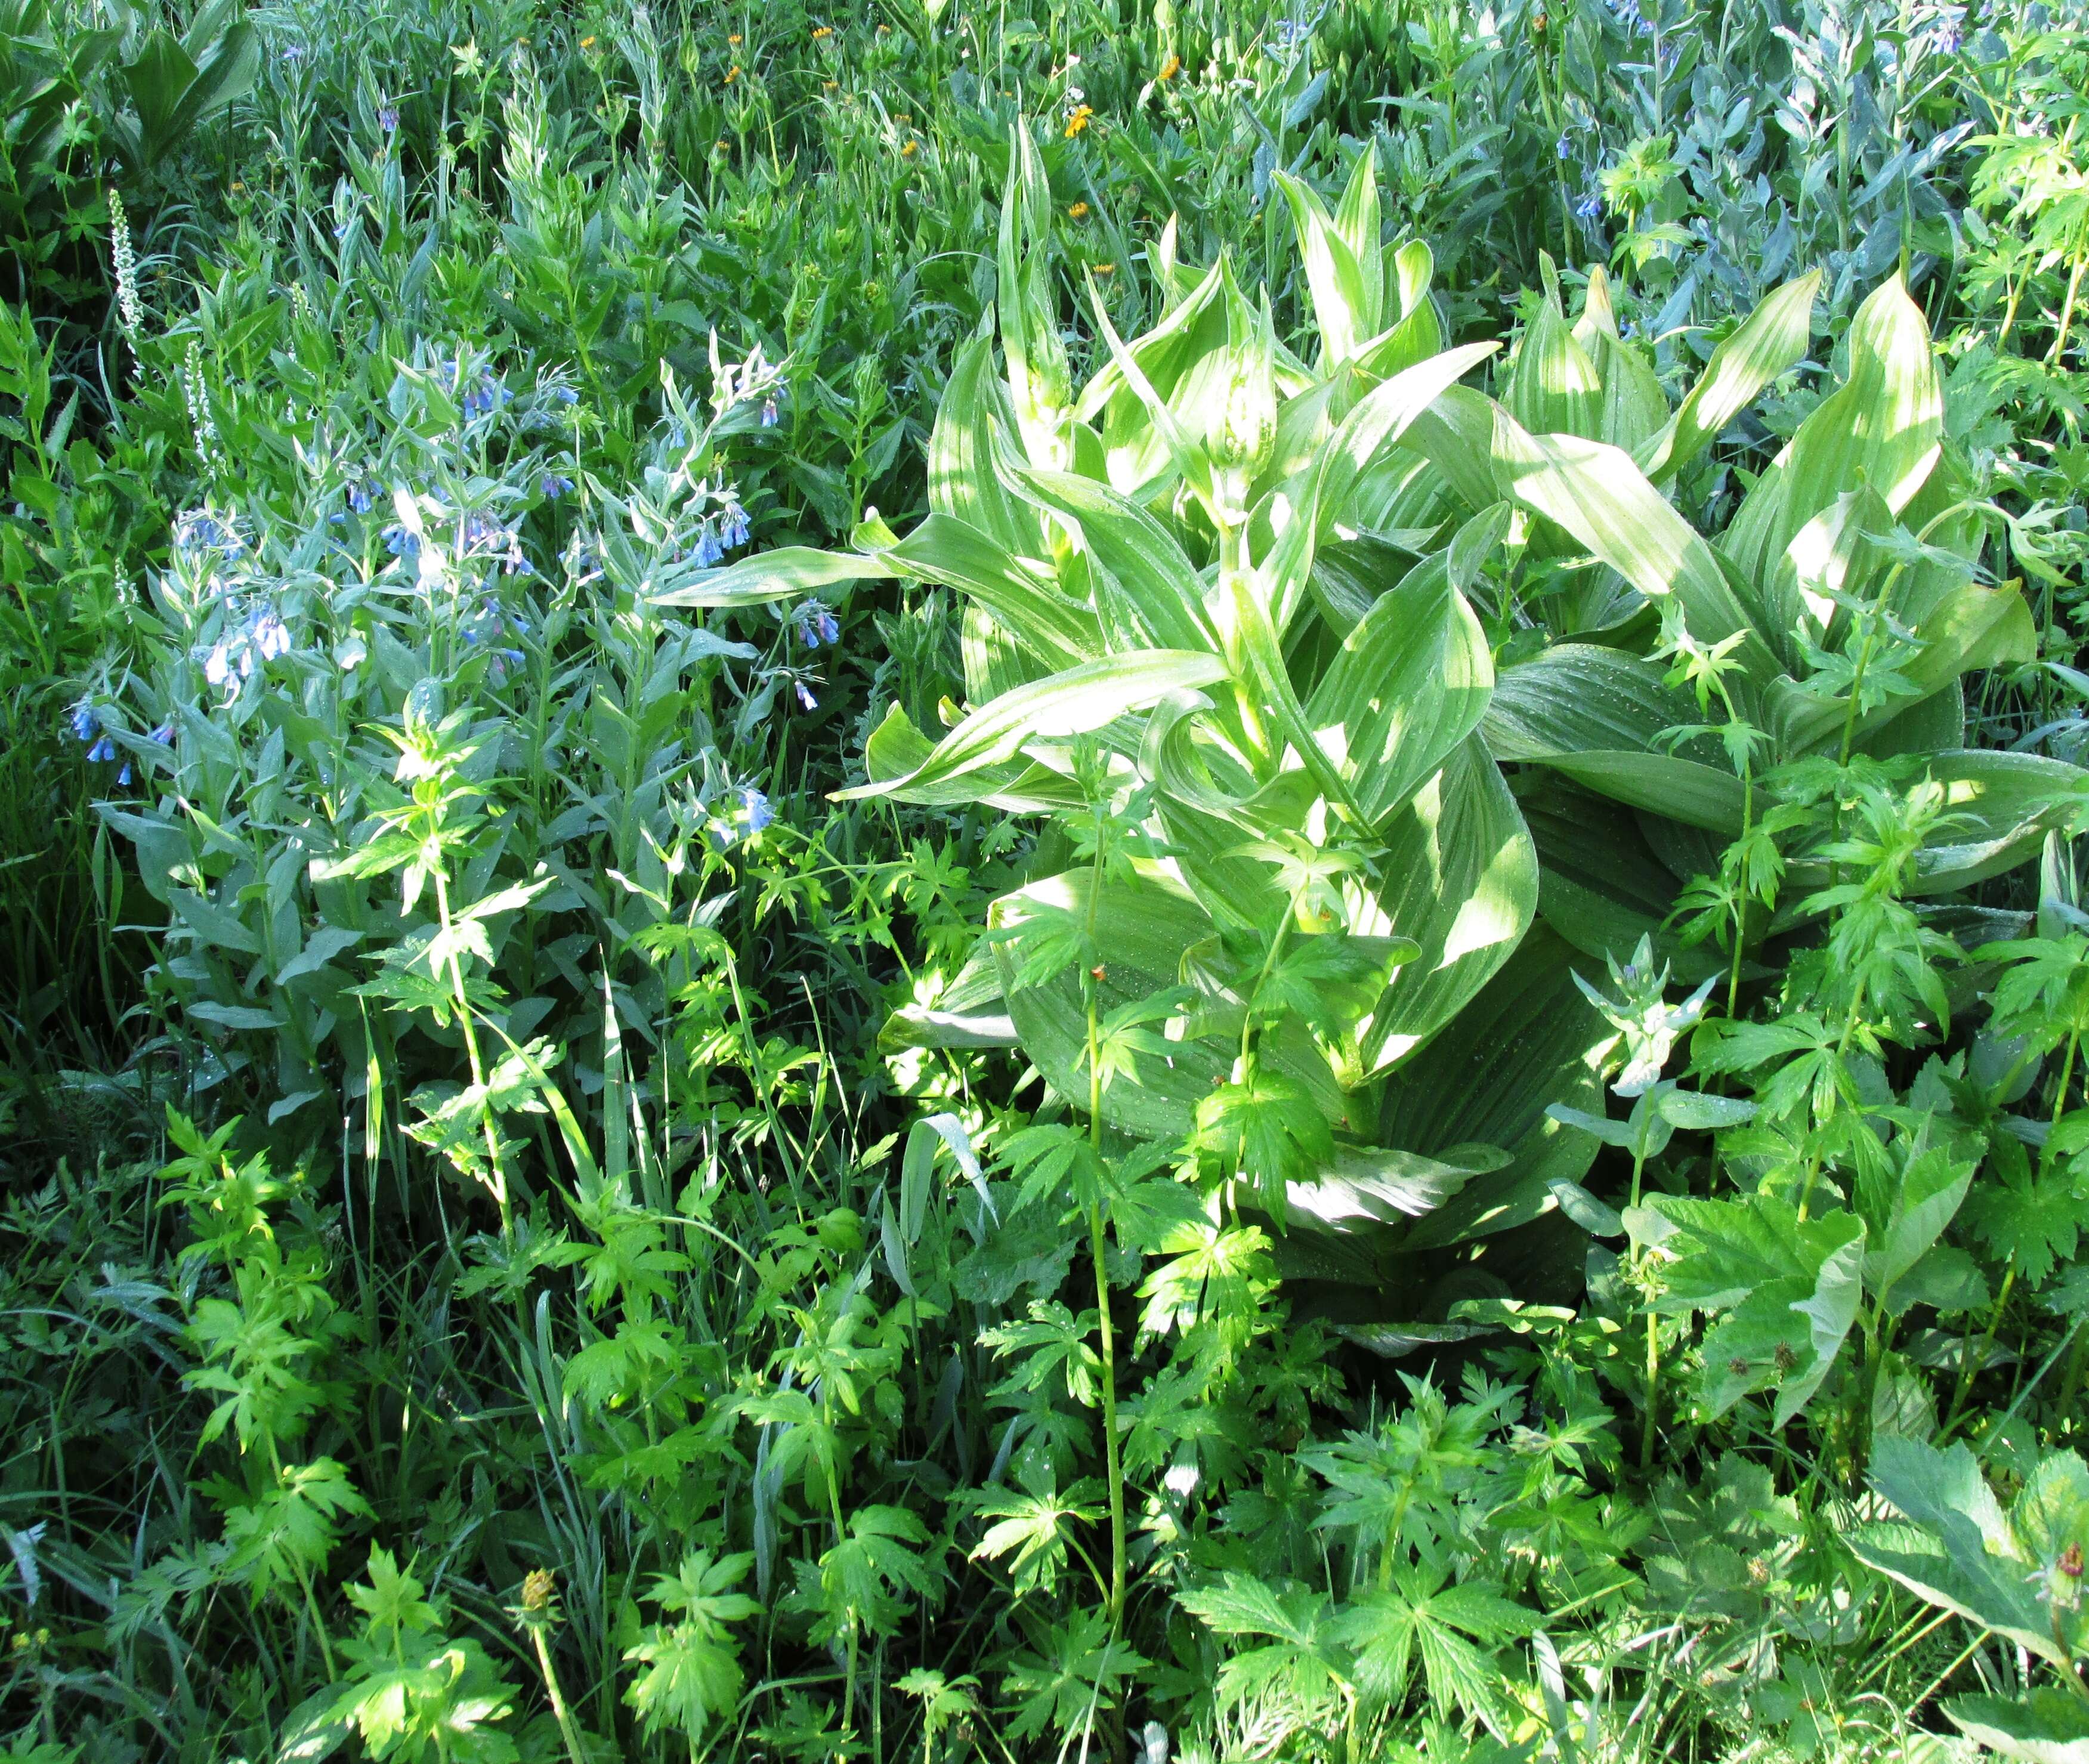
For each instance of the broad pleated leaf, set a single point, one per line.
(1768, 341)
(1598, 495)
(1597, 716)
(1459, 877)
(973, 414)
(1144, 925)
(1524, 1042)
(1881, 427)
(1407, 685)
(1147, 592)
(782, 574)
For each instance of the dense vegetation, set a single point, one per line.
(1044, 883)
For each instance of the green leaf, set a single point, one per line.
(1408, 685)
(1342, 272)
(1959, 1551)
(1881, 428)
(1598, 714)
(2048, 1727)
(211, 924)
(1524, 1041)
(1596, 494)
(1318, 498)
(1459, 877)
(1829, 1310)
(1143, 926)
(1926, 1197)
(1147, 591)
(1020, 597)
(2002, 805)
(1361, 1187)
(782, 574)
(972, 419)
(897, 750)
(1552, 387)
(1073, 702)
(1770, 340)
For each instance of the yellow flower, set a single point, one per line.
(906, 151)
(1105, 269)
(1078, 211)
(820, 31)
(731, 73)
(733, 40)
(1171, 67)
(1078, 120)
(587, 42)
(829, 84)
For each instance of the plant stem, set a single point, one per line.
(1113, 1469)
(1653, 1322)
(500, 1183)
(559, 1708)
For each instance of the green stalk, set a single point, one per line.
(1740, 898)
(471, 1053)
(1652, 1321)
(1091, 985)
(563, 1715)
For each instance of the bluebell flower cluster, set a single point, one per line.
(733, 529)
(724, 531)
(817, 625)
(233, 657)
(402, 541)
(805, 698)
(362, 496)
(203, 533)
(388, 118)
(554, 485)
(1589, 207)
(86, 722)
(755, 812)
(482, 390)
